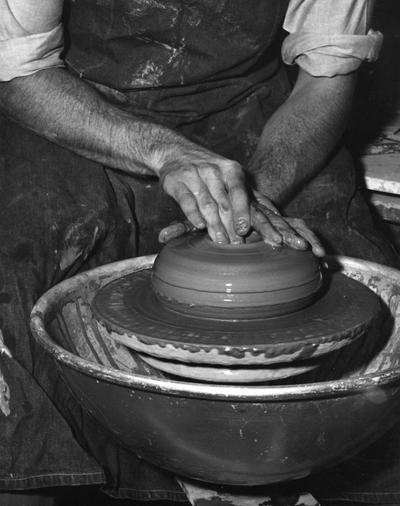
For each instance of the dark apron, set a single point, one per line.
(190, 65)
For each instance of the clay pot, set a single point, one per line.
(194, 271)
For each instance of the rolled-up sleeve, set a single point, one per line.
(23, 53)
(328, 38)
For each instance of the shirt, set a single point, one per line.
(25, 47)
(330, 37)
(326, 37)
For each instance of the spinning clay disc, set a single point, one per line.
(130, 310)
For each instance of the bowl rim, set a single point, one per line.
(244, 393)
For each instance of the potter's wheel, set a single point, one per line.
(234, 314)
(227, 434)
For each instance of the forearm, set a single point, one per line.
(209, 188)
(64, 109)
(301, 135)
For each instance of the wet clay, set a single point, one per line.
(195, 271)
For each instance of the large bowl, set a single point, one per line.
(233, 435)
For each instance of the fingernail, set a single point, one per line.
(272, 243)
(242, 226)
(199, 225)
(295, 242)
(319, 251)
(301, 243)
(276, 238)
(237, 240)
(166, 237)
(221, 238)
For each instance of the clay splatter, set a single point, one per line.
(4, 388)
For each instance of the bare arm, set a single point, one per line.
(59, 106)
(56, 104)
(301, 135)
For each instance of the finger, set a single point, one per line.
(175, 230)
(212, 179)
(171, 232)
(264, 201)
(238, 196)
(289, 235)
(210, 211)
(281, 225)
(188, 204)
(263, 226)
(302, 229)
(196, 202)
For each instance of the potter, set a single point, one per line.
(117, 118)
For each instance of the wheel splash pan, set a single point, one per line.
(233, 435)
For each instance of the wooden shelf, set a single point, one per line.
(382, 173)
(387, 206)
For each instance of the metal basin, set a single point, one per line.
(233, 435)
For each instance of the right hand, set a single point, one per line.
(210, 190)
(275, 229)
(212, 193)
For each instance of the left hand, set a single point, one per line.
(275, 229)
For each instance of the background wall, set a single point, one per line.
(374, 132)
(377, 103)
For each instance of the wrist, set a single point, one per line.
(155, 147)
(169, 147)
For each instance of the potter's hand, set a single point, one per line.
(276, 229)
(210, 190)
(270, 225)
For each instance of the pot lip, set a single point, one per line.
(243, 393)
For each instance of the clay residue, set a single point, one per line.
(149, 74)
(143, 6)
(3, 348)
(75, 245)
(198, 495)
(4, 388)
(4, 396)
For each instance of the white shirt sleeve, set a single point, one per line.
(330, 37)
(22, 52)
